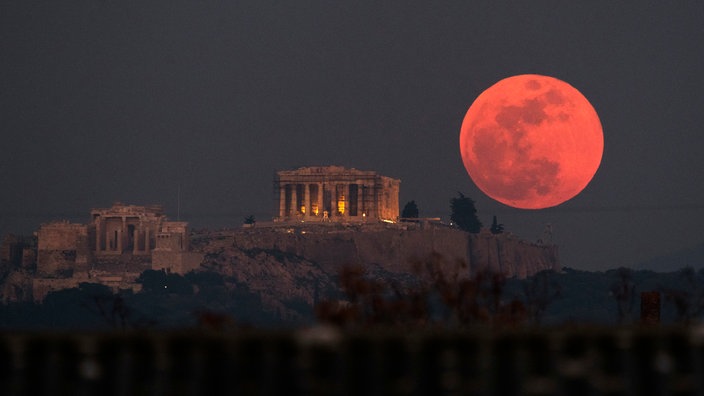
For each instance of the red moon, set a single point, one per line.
(531, 141)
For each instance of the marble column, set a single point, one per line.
(306, 199)
(135, 241)
(294, 200)
(360, 205)
(282, 200)
(333, 199)
(147, 245)
(360, 201)
(347, 199)
(98, 230)
(321, 206)
(121, 236)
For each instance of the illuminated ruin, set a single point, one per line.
(126, 229)
(335, 193)
(117, 245)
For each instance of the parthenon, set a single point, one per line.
(335, 193)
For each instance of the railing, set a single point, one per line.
(322, 361)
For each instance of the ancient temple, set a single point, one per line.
(335, 193)
(118, 244)
(127, 228)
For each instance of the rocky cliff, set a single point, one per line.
(394, 246)
(290, 266)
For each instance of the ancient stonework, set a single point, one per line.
(328, 217)
(62, 249)
(113, 249)
(394, 247)
(172, 252)
(335, 193)
(18, 252)
(126, 229)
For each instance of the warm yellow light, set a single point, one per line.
(341, 204)
(303, 209)
(314, 209)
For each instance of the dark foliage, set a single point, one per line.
(464, 214)
(623, 290)
(688, 299)
(438, 293)
(540, 290)
(410, 210)
(163, 282)
(443, 295)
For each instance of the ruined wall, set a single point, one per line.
(11, 249)
(120, 265)
(43, 286)
(388, 199)
(16, 287)
(508, 254)
(394, 247)
(176, 262)
(62, 249)
(17, 252)
(172, 251)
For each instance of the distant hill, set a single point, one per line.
(689, 257)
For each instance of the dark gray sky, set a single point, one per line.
(103, 101)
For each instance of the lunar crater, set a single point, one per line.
(554, 97)
(533, 85)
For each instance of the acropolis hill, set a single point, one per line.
(328, 217)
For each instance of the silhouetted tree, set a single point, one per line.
(410, 211)
(249, 220)
(540, 291)
(624, 292)
(496, 228)
(688, 301)
(440, 296)
(161, 282)
(464, 214)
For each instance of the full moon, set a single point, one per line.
(531, 141)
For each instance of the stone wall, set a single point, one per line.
(43, 286)
(176, 261)
(395, 247)
(17, 252)
(388, 198)
(172, 252)
(16, 287)
(62, 249)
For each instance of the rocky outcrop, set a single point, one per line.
(284, 281)
(394, 247)
(294, 265)
(510, 255)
